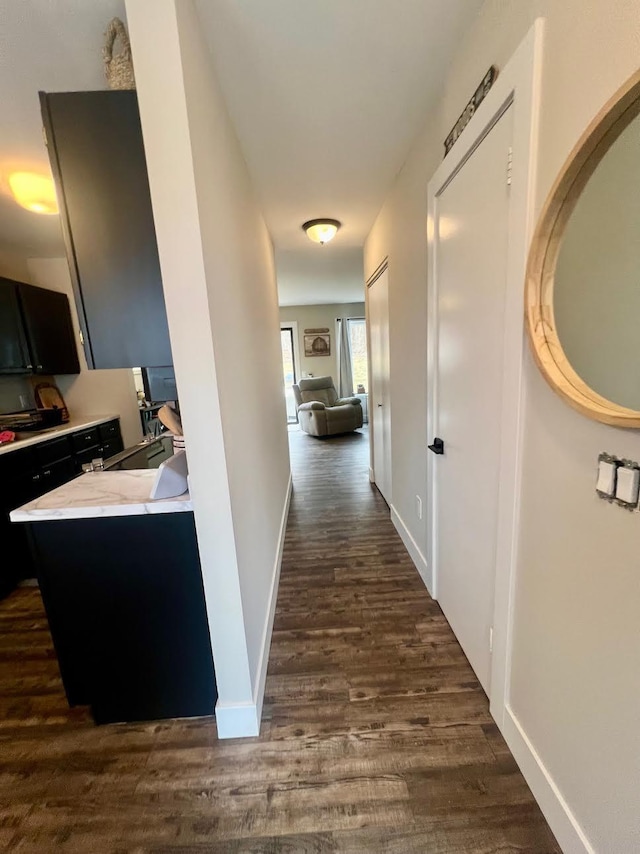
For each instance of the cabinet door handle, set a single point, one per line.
(47, 473)
(29, 367)
(39, 367)
(35, 477)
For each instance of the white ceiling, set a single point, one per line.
(326, 99)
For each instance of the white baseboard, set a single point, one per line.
(258, 692)
(555, 809)
(412, 547)
(237, 721)
(372, 477)
(243, 719)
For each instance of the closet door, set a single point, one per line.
(379, 406)
(471, 233)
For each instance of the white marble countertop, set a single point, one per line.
(72, 426)
(100, 494)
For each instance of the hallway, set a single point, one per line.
(376, 736)
(365, 670)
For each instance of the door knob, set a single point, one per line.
(437, 447)
(379, 405)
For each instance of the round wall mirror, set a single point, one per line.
(583, 279)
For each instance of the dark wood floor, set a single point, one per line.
(376, 735)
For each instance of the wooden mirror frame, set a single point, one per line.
(549, 355)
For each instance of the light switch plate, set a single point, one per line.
(607, 476)
(628, 485)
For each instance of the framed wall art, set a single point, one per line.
(317, 342)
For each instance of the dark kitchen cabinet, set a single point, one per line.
(53, 450)
(126, 608)
(98, 161)
(109, 431)
(14, 353)
(36, 331)
(47, 320)
(85, 439)
(110, 448)
(91, 444)
(27, 473)
(21, 482)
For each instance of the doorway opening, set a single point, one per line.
(353, 361)
(324, 348)
(288, 339)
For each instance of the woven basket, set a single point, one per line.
(118, 68)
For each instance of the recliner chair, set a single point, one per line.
(321, 412)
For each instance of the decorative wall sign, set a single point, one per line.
(317, 345)
(319, 331)
(478, 97)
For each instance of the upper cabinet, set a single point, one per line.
(97, 157)
(36, 331)
(14, 353)
(47, 320)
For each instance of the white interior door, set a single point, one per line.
(471, 245)
(379, 403)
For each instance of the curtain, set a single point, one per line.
(345, 378)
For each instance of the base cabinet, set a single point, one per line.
(125, 604)
(27, 473)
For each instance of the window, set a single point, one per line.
(288, 369)
(358, 342)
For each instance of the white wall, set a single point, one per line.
(575, 685)
(314, 317)
(219, 280)
(400, 232)
(89, 392)
(13, 264)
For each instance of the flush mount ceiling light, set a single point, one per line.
(34, 192)
(321, 230)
